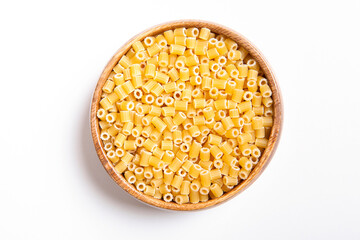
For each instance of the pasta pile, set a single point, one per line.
(185, 115)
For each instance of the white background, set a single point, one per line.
(52, 183)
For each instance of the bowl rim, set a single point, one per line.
(274, 135)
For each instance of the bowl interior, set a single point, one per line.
(274, 135)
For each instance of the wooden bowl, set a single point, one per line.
(267, 154)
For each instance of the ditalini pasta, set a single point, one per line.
(185, 115)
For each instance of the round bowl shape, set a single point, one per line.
(267, 154)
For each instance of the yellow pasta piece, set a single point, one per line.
(144, 158)
(129, 145)
(112, 156)
(139, 173)
(120, 167)
(180, 32)
(194, 196)
(156, 162)
(174, 74)
(226, 148)
(108, 86)
(177, 49)
(243, 70)
(229, 160)
(205, 154)
(195, 170)
(180, 105)
(219, 128)
(244, 106)
(186, 165)
(181, 199)
(135, 70)
(261, 142)
(168, 111)
(243, 174)
(265, 91)
(204, 70)
(209, 113)
(140, 185)
(248, 116)
(212, 53)
(139, 57)
(105, 103)
(130, 177)
(199, 120)
(149, 145)
(191, 60)
(138, 46)
(149, 85)
(216, 152)
(169, 36)
(194, 131)
(267, 101)
(260, 133)
(161, 77)
(170, 87)
(195, 80)
(205, 178)
(185, 187)
(184, 74)
(257, 123)
(127, 157)
(175, 164)
(180, 40)
(192, 32)
(182, 155)
(153, 49)
(124, 62)
(118, 79)
(125, 116)
(186, 95)
(230, 181)
(216, 190)
(232, 133)
(158, 123)
(245, 163)
(215, 174)
(155, 135)
(199, 103)
(176, 181)
(149, 41)
(214, 139)
(230, 44)
(170, 124)
(104, 124)
(157, 89)
(128, 126)
(166, 145)
(221, 104)
(245, 149)
(168, 156)
(201, 47)
(127, 73)
(177, 136)
(221, 47)
(128, 87)
(227, 123)
(161, 40)
(118, 68)
(149, 191)
(190, 42)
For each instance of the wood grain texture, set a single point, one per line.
(267, 154)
